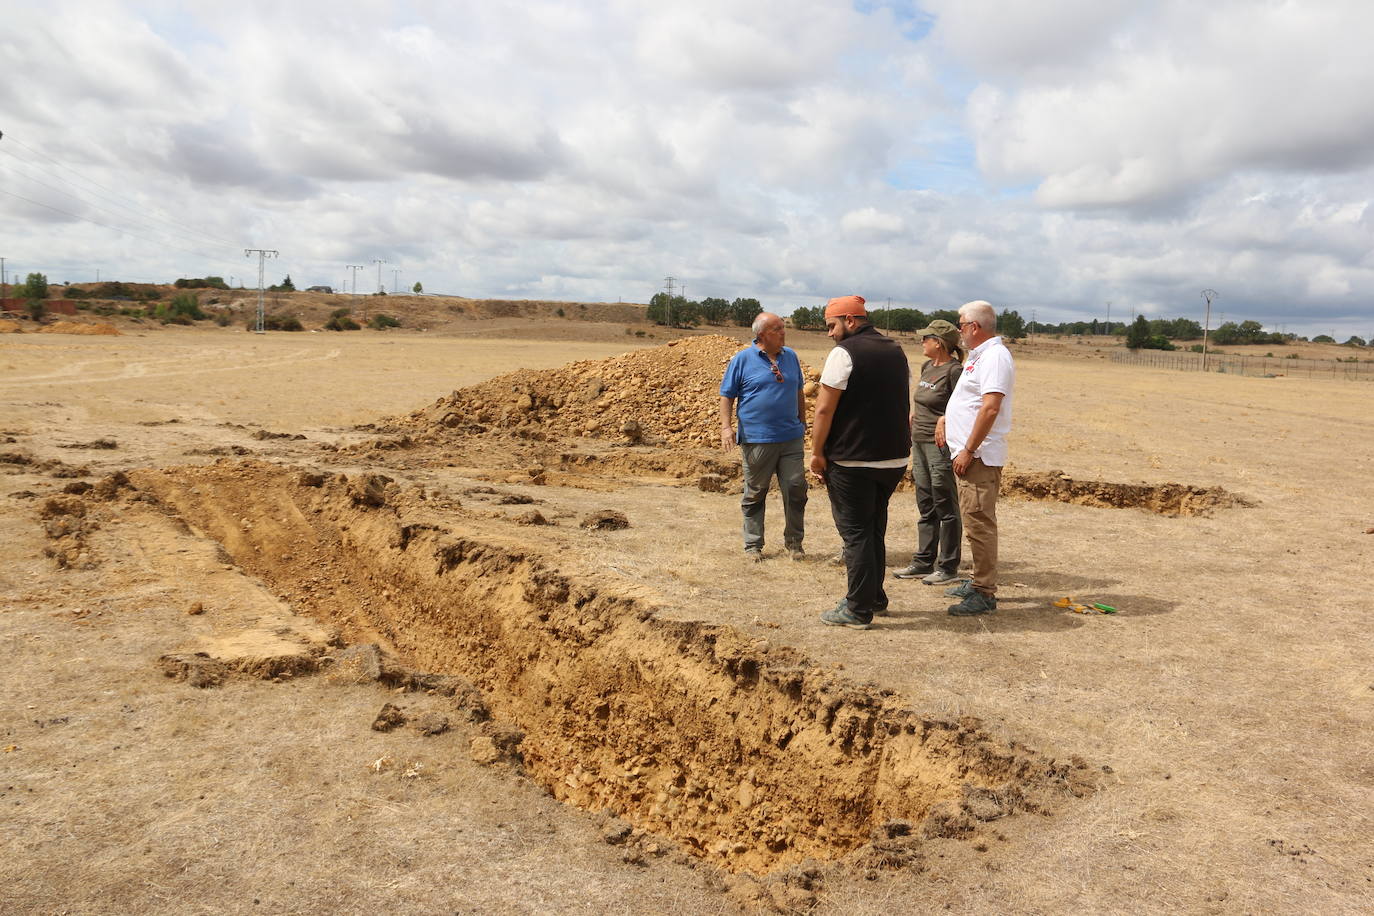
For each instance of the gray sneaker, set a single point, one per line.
(914, 571)
(973, 605)
(962, 590)
(754, 554)
(940, 577)
(844, 617)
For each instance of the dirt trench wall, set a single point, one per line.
(745, 753)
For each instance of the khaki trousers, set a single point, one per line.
(978, 507)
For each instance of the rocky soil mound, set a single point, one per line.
(665, 395)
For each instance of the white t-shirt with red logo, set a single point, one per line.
(989, 369)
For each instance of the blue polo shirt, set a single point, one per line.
(767, 408)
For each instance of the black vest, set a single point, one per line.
(871, 420)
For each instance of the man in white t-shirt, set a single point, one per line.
(975, 425)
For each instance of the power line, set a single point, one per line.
(116, 199)
(96, 222)
(146, 226)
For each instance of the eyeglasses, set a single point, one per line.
(773, 364)
(963, 324)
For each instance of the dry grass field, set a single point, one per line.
(1204, 750)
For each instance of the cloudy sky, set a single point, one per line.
(1050, 156)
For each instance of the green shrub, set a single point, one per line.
(183, 309)
(558, 312)
(380, 322)
(276, 323)
(341, 313)
(1291, 356)
(1195, 348)
(342, 323)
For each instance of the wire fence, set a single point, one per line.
(1259, 366)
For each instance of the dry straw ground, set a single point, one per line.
(1225, 710)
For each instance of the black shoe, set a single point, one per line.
(975, 604)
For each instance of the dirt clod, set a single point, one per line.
(197, 669)
(431, 724)
(483, 750)
(605, 520)
(390, 716)
(196, 609)
(360, 664)
(711, 483)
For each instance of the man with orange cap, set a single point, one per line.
(860, 444)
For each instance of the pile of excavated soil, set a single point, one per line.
(9, 327)
(77, 327)
(665, 395)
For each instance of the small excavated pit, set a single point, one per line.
(748, 755)
(1174, 499)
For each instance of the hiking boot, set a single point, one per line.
(940, 578)
(837, 559)
(975, 604)
(962, 590)
(842, 616)
(796, 553)
(914, 571)
(753, 554)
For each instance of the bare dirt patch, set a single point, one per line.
(1229, 695)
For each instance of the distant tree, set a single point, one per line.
(805, 318)
(686, 313)
(285, 286)
(418, 289)
(743, 311)
(1011, 325)
(715, 310)
(659, 304)
(1355, 341)
(1323, 338)
(35, 287)
(1139, 333)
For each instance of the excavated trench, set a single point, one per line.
(747, 755)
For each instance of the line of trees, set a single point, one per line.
(1010, 324)
(682, 312)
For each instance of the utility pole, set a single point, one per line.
(1032, 324)
(379, 262)
(670, 281)
(887, 315)
(355, 268)
(1209, 295)
(1109, 318)
(395, 280)
(4, 282)
(263, 254)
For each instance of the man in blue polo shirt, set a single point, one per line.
(766, 382)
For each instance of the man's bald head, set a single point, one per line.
(765, 321)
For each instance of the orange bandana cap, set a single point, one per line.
(845, 305)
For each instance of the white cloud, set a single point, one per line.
(1051, 155)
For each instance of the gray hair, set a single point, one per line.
(980, 311)
(760, 320)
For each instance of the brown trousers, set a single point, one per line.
(978, 508)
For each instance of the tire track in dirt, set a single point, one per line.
(154, 369)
